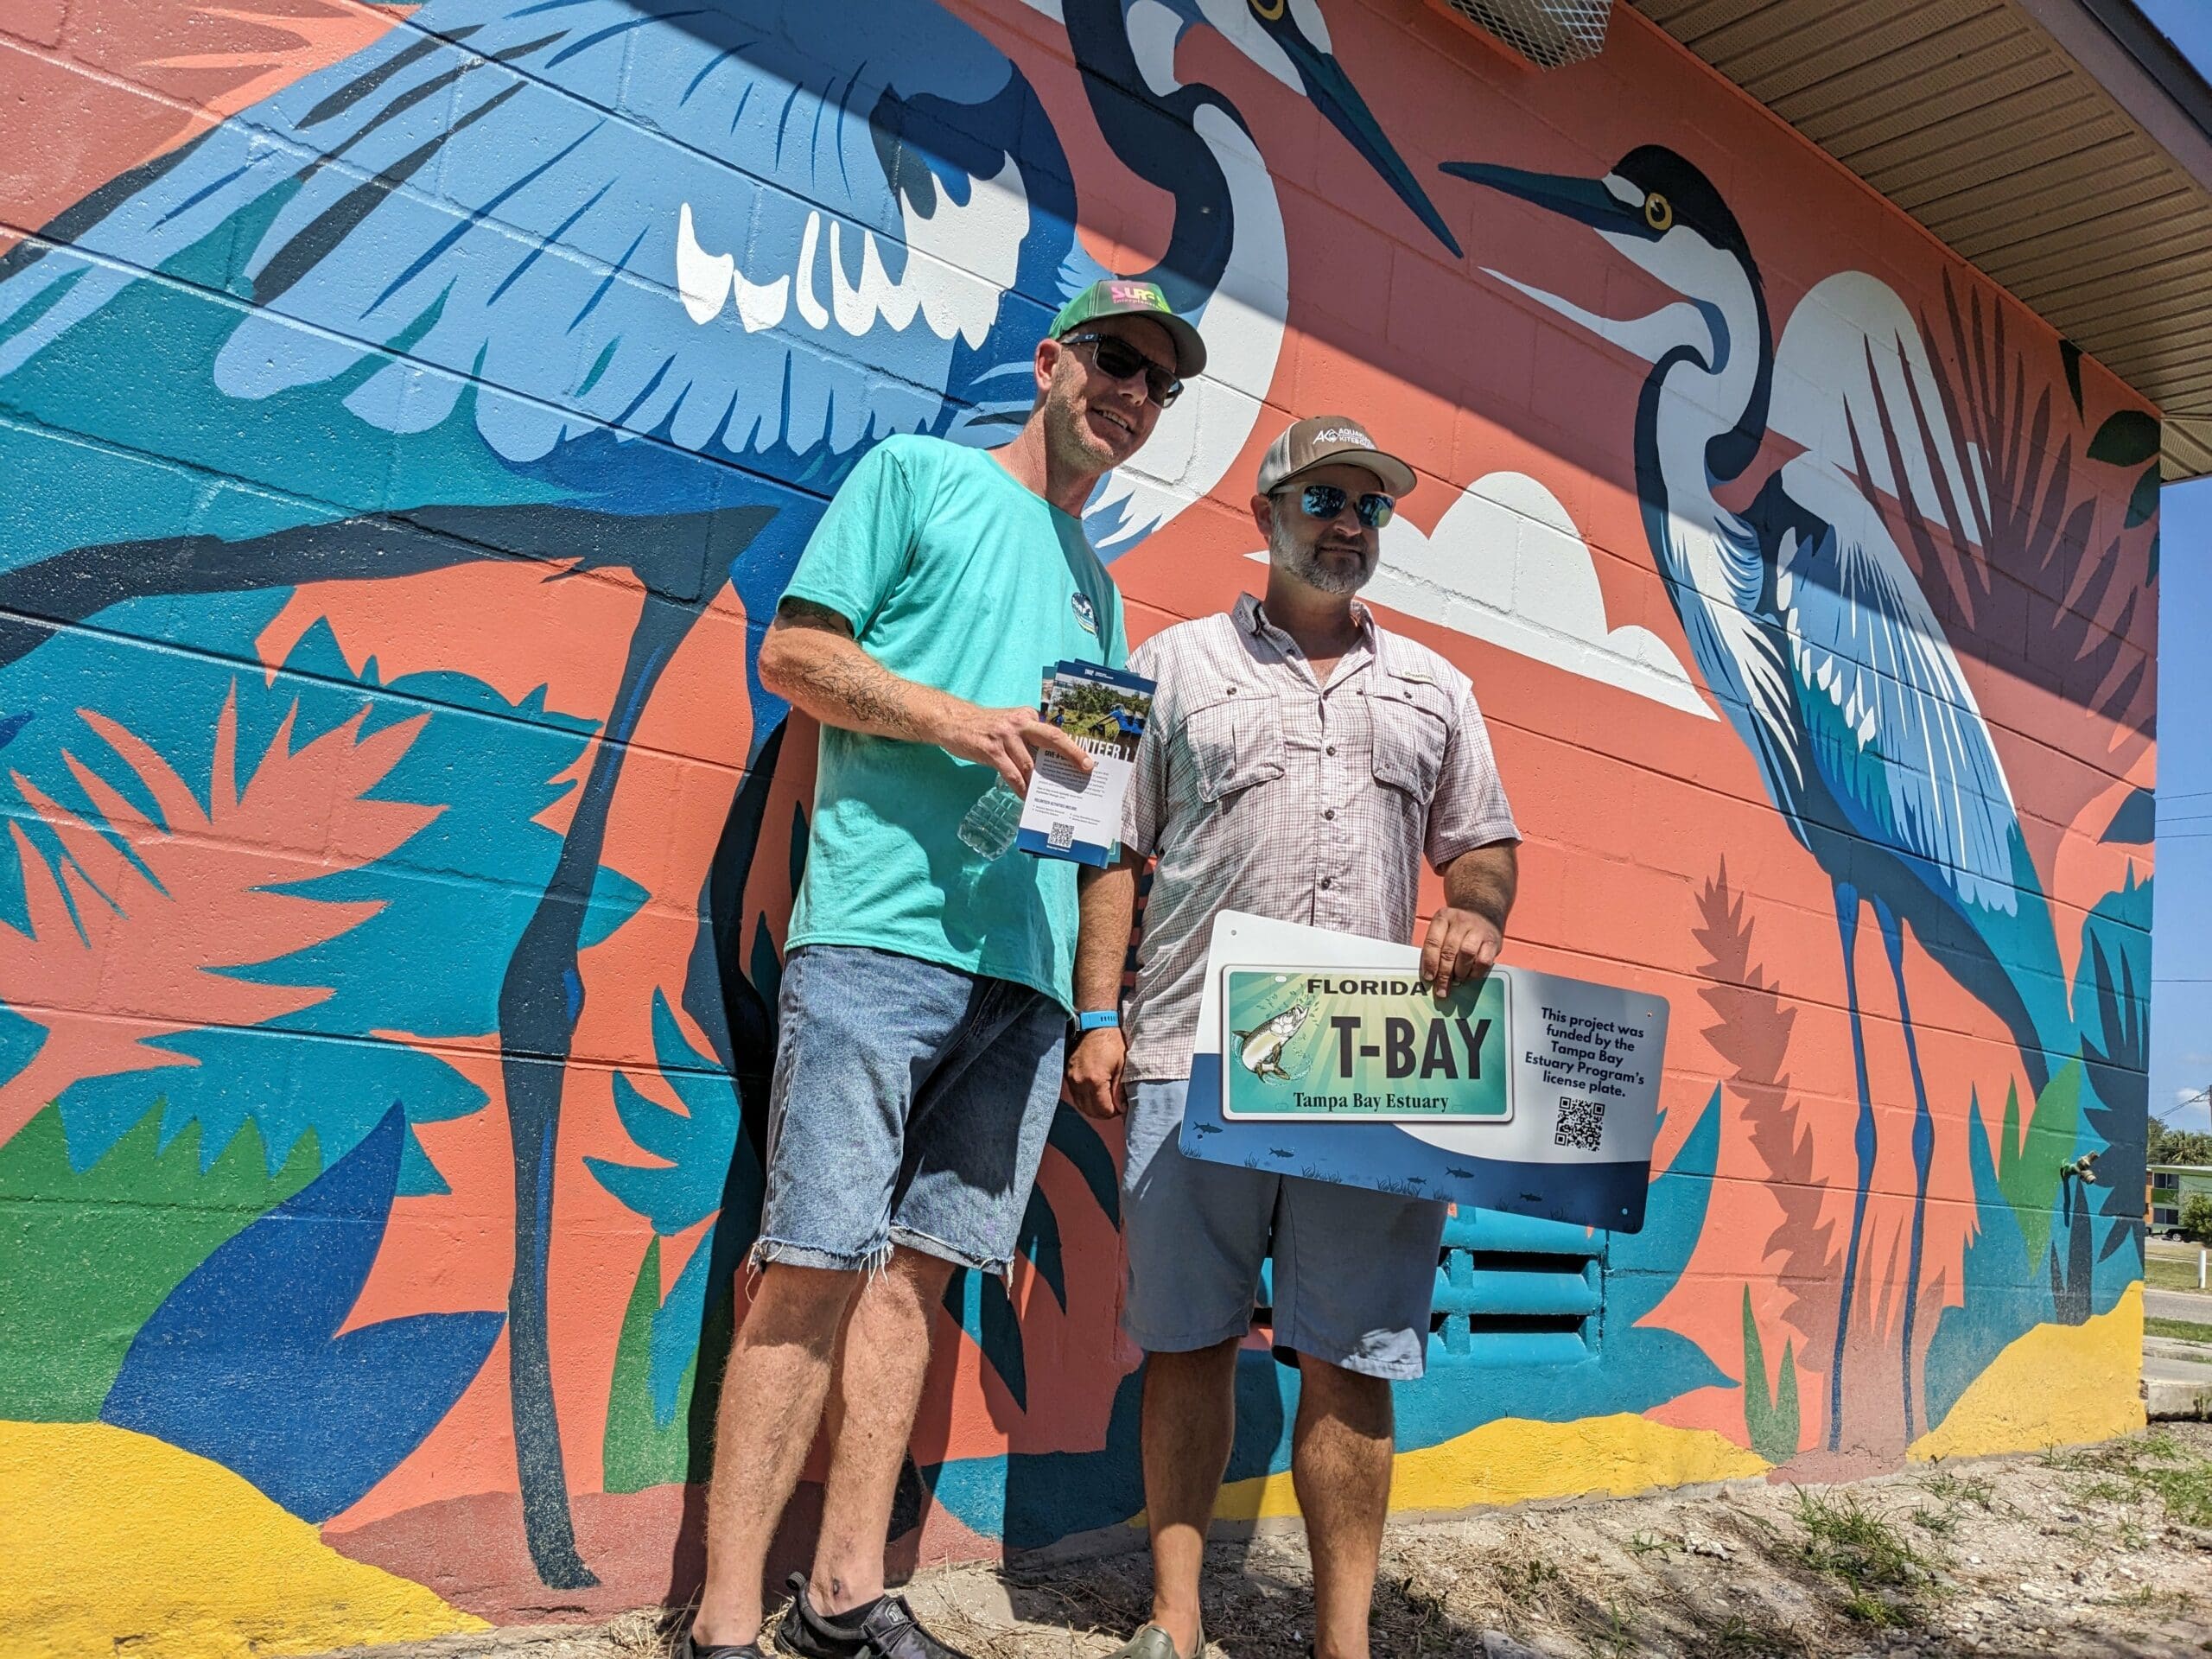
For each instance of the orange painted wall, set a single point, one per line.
(397, 835)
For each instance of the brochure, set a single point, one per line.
(1077, 815)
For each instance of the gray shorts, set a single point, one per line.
(1355, 1270)
(910, 1106)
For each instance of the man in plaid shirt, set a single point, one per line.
(1300, 763)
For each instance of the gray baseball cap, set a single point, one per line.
(1329, 439)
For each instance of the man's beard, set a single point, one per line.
(1305, 564)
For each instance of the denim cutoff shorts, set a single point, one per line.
(1355, 1270)
(910, 1106)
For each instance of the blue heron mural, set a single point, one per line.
(632, 286)
(410, 415)
(1809, 627)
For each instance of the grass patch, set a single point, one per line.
(1609, 1632)
(1738, 1637)
(1941, 1523)
(2105, 1490)
(2152, 1465)
(1876, 1566)
(2179, 1330)
(2186, 1490)
(2176, 1272)
(1866, 1607)
(2148, 1598)
(1947, 1488)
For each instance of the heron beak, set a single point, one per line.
(1588, 202)
(1335, 96)
(1584, 200)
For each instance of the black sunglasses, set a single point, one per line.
(1119, 360)
(1326, 501)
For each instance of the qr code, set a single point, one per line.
(1582, 1124)
(1062, 837)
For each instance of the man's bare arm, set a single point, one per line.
(1484, 882)
(1109, 901)
(810, 659)
(1466, 935)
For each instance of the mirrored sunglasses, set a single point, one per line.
(1326, 501)
(1119, 360)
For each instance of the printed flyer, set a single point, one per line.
(1077, 815)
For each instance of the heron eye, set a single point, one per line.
(1268, 12)
(1658, 212)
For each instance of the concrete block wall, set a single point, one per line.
(408, 418)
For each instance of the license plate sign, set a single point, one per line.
(1303, 1044)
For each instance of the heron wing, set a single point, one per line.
(746, 234)
(1852, 375)
(1890, 724)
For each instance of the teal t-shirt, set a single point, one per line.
(954, 576)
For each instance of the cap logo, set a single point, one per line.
(1343, 434)
(1137, 294)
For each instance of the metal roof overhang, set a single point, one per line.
(2063, 147)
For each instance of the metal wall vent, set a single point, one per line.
(1549, 33)
(1511, 1290)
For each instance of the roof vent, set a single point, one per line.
(1549, 33)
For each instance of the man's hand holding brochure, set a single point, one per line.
(1069, 813)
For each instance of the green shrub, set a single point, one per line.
(2196, 1217)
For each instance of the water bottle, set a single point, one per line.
(992, 824)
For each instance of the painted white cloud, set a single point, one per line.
(1506, 564)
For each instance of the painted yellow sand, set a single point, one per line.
(1513, 1460)
(2055, 1385)
(114, 1541)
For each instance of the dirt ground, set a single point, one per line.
(2105, 1551)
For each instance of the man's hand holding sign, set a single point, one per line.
(1465, 938)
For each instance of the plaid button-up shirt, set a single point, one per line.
(1262, 791)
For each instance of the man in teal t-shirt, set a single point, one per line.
(926, 990)
(956, 575)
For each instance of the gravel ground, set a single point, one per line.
(2105, 1550)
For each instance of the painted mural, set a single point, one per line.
(408, 416)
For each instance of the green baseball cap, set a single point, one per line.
(1129, 296)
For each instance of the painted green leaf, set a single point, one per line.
(639, 1451)
(2028, 1166)
(2070, 355)
(1771, 1419)
(86, 1256)
(2144, 501)
(2126, 438)
(642, 1447)
(2153, 570)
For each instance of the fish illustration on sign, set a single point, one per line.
(1259, 1051)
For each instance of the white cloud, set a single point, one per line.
(1506, 564)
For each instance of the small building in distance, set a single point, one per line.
(2171, 1185)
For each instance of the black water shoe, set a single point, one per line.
(689, 1646)
(883, 1628)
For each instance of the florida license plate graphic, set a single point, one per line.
(1309, 1044)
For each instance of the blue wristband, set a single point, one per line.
(1097, 1019)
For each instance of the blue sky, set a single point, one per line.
(2181, 1001)
(2181, 997)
